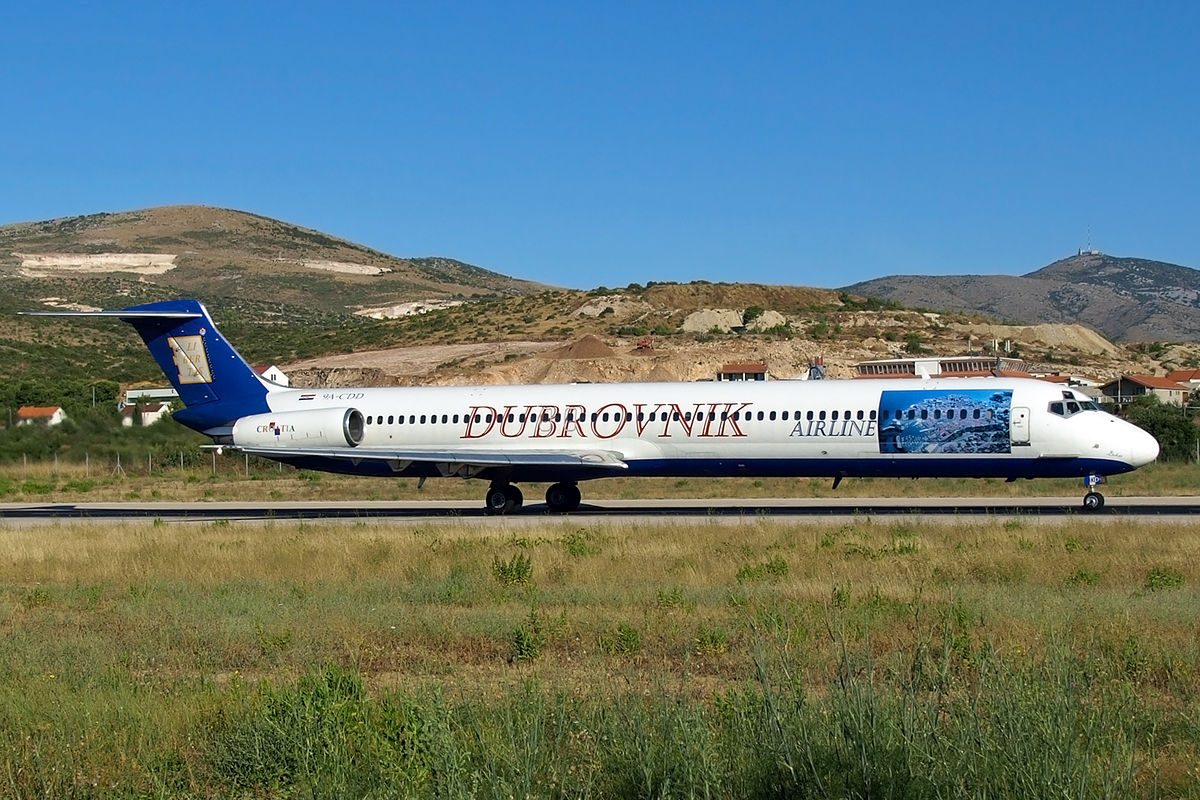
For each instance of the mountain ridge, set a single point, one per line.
(1128, 299)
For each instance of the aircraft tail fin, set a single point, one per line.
(214, 382)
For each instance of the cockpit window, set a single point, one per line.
(1071, 406)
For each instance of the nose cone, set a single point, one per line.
(1143, 448)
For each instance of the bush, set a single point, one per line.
(1173, 427)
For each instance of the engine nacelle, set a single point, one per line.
(318, 427)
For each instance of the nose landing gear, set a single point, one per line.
(1093, 500)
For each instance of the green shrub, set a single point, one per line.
(582, 543)
(1161, 578)
(710, 640)
(625, 640)
(517, 571)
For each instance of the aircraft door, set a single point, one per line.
(1020, 426)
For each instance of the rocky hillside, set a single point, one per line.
(667, 332)
(212, 253)
(1127, 299)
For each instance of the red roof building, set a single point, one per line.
(1127, 388)
(42, 415)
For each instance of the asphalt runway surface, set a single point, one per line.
(1182, 510)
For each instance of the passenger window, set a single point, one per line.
(400, 419)
(521, 417)
(687, 416)
(976, 415)
(511, 417)
(785, 416)
(820, 416)
(937, 413)
(834, 416)
(368, 419)
(675, 416)
(737, 415)
(391, 419)
(629, 416)
(924, 413)
(760, 416)
(422, 419)
(641, 416)
(772, 416)
(605, 416)
(558, 417)
(810, 415)
(455, 420)
(595, 416)
(445, 418)
(412, 419)
(912, 413)
(873, 414)
(859, 415)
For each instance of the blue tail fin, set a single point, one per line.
(215, 383)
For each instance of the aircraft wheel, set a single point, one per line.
(1093, 501)
(502, 500)
(563, 497)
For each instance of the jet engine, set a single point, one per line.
(318, 427)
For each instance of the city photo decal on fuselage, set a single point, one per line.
(945, 421)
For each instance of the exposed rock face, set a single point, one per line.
(705, 320)
(332, 377)
(768, 320)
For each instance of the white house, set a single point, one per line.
(152, 394)
(42, 415)
(147, 414)
(273, 373)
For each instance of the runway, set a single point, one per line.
(1180, 510)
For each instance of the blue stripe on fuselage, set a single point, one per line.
(903, 467)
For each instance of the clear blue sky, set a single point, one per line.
(588, 143)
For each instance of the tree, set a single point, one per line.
(1174, 427)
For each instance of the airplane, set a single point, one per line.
(988, 427)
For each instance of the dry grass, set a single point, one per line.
(236, 479)
(172, 620)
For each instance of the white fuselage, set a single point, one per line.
(951, 426)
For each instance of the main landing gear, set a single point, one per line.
(504, 498)
(1093, 500)
(563, 497)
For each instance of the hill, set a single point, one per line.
(199, 251)
(1127, 299)
(325, 309)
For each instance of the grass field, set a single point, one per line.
(766, 659)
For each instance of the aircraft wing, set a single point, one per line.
(448, 462)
